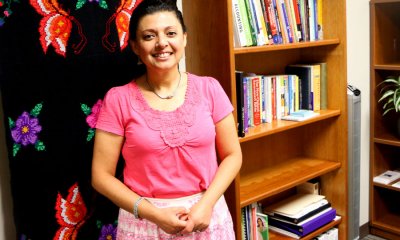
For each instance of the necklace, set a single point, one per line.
(168, 96)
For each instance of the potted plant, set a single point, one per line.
(390, 94)
(390, 98)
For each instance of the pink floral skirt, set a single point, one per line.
(220, 228)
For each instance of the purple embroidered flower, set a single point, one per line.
(26, 129)
(108, 232)
(91, 119)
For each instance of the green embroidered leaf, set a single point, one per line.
(39, 145)
(90, 134)
(16, 148)
(80, 4)
(11, 123)
(98, 224)
(86, 109)
(36, 110)
(103, 4)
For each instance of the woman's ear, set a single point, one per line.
(184, 39)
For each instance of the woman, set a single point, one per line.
(170, 127)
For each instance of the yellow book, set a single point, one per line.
(316, 87)
(319, 20)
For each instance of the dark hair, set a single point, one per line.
(147, 7)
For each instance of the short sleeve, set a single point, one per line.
(221, 105)
(110, 117)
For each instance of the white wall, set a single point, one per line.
(358, 74)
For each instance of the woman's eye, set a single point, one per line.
(148, 37)
(171, 33)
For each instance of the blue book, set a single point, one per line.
(307, 226)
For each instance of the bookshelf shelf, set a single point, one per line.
(280, 155)
(388, 67)
(387, 139)
(279, 47)
(385, 145)
(281, 125)
(386, 186)
(269, 181)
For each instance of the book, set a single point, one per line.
(319, 20)
(245, 22)
(256, 94)
(323, 86)
(311, 211)
(396, 184)
(240, 103)
(295, 204)
(283, 232)
(307, 226)
(262, 226)
(298, 118)
(387, 177)
(296, 8)
(252, 22)
(311, 186)
(239, 31)
(243, 224)
(270, 12)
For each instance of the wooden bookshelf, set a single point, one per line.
(280, 155)
(384, 142)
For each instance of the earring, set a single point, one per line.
(139, 62)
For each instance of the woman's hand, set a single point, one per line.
(198, 218)
(172, 220)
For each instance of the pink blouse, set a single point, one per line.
(168, 154)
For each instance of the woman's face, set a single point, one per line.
(160, 41)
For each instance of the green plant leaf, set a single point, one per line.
(386, 94)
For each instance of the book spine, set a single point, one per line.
(316, 87)
(311, 19)
(319, 19)
(296, 8)
(324, 87)
(246, 106)
(245, 22)
(280, 27)
(292, 19)
(267, 23)
(252, 23)
(240, 103)
(256, 101)
(272, 20)
(238, 21)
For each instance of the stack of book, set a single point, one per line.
(300, 214)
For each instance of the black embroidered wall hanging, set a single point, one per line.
(57, 60)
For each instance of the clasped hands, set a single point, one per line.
(180, 220)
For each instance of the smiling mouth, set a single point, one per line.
(162, 55)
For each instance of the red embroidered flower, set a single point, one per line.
(70, 213)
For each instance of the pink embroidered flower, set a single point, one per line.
(91, 119)
(26, 129)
